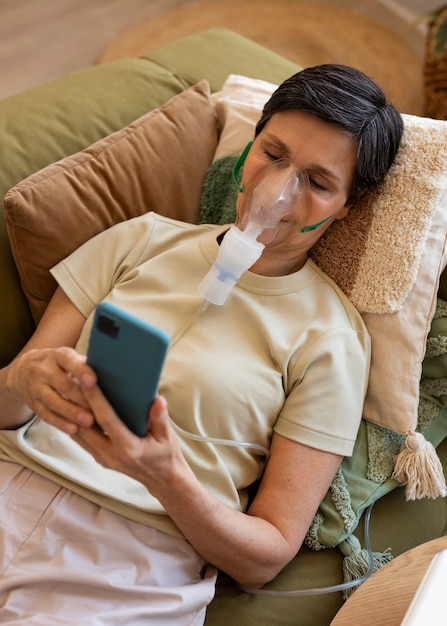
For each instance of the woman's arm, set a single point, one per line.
(252, 547)
(36, 381)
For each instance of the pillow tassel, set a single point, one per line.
(357, 562)
(418, 467)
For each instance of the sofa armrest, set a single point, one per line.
(216, 53)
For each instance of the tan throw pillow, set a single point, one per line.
(156, 163)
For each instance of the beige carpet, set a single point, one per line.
(305, 32)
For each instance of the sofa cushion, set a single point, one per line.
(58, 118)
(126, 174)
(216, 53)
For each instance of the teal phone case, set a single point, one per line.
(127, 355)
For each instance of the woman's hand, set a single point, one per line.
(26, 384)
(153, 460)
(51, 382)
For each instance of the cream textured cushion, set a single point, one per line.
(387, 256)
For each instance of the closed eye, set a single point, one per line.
(272, 156)
(316, 184)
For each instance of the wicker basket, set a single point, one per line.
(435, 71)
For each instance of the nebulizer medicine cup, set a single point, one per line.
(267, 210)
(237, 254)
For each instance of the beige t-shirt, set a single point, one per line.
(287, 353)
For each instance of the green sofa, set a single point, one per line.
(52, 121)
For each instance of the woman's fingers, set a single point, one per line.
(49, 382)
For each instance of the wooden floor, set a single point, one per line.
(43, 39)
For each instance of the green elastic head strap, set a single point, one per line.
(239, 163)
(307, 229)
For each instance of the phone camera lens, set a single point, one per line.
(108, 326)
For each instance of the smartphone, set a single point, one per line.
(127, 355)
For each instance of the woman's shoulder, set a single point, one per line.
(149, 230)
(328, 289)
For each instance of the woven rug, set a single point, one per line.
(305, 32)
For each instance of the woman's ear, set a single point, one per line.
(343, 213)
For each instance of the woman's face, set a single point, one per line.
(323, 153)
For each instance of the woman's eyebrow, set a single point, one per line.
(279, 144)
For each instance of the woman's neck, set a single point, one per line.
(271, 263)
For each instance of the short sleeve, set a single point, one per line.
(324, 406)
(89, 273)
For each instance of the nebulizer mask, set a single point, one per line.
(274, 209)
(271, 202)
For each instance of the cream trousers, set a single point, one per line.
(65, 560)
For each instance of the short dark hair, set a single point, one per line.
(346, 97)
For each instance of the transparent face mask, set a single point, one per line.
(274, 206)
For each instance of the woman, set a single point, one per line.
(130, 524)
